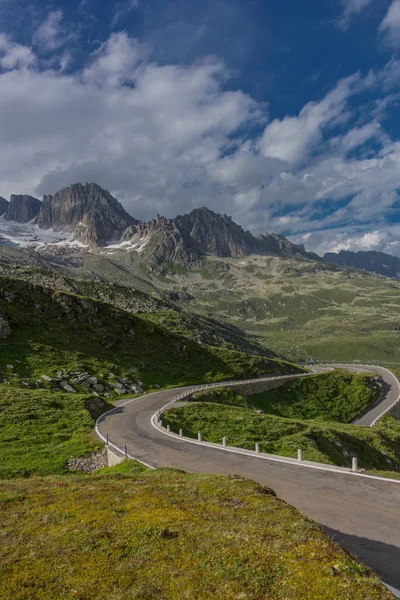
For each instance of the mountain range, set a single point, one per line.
(374, 262)
(89, 217)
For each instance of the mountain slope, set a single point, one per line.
(90, 212)
(45, 331)
(375, 262)
(300, 309)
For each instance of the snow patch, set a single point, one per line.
(132, 245)
(29, 234)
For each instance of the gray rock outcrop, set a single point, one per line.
(22, 208)
(90, 212)
(187, 238)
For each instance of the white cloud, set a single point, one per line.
(115, 61)
(14, 55)
(165, 139)
(293, 138)
(147, 132)
(385, 240)
(50, 34)
(352, 8)
(390, 26)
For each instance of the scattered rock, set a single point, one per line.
(68, 388)
(10, 367)
(88, 464)
(45, 378)
(120, 389)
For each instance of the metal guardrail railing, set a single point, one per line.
(157, 421)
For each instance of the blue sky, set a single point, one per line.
(282, 114)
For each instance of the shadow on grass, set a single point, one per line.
(382, 558)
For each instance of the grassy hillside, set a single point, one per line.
(40, 430)
(49, 339)
(231, 415)
(155, 305)
(167, 535)
(44, 331)
(298, 308)
(334, 396)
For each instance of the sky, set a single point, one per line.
(284, 115)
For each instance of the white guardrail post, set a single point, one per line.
(157, 420)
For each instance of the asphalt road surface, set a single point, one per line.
(361, 514)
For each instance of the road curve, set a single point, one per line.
(362, 514)
(390, 393)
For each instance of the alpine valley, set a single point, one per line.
(202, 276)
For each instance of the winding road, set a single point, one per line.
(361, 513)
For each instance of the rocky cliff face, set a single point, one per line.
(374, 262)
(96, 218)
(3, 206)
(280, 246)
(187, 238)
(92, 213)
(22, 208)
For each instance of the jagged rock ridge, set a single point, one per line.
(22, 208)
(93, 214)
(186, 238)
(374, 262)
(96, 218)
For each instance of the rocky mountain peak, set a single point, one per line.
(22, 208)
(281, 246)
(91, 212)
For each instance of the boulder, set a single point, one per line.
(68, 388)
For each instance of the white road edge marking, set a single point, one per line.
(395, 592)
(279, 459)
(104, 439)
(340, 470)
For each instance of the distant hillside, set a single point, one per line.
(375, 262)
(59, 335)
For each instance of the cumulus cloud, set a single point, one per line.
(147, 132)
(293, 138)
(14, 55)
(50, 34)
(167, 138)
(382, 240)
